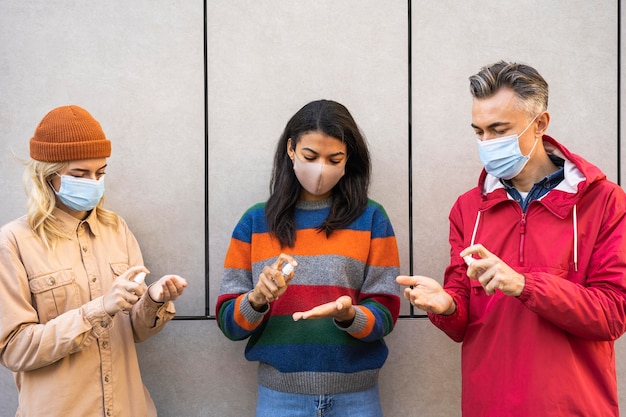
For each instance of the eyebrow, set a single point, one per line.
(339, 153)
(493, 125)
(87, 170)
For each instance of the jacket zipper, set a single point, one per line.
(522, 235)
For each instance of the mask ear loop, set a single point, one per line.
(524, 131)
(52, 186)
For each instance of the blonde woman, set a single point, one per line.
(73, 300)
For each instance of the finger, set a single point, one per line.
(406, 280)
(269, 277)
(180, 281)
(487, 282)
(492, 286)
(132, 299)
(278, 279)
(477, 249)
(132, 272)
(407, 293)
(266, 293)
(283, 258)
(269, 287)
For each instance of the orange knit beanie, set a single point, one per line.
(69, 133)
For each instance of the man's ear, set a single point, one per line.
(543, 120)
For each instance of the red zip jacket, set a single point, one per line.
(548, 352)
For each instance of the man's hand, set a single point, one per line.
(492, 273)
(427, 294)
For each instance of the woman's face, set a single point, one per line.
(92, 169)
(321, 149)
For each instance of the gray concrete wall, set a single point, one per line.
(139, 68)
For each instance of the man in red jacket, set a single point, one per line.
(536, 285)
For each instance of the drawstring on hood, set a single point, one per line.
(575, 221)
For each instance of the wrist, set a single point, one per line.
(451, 308)
(258, 305)
(346, 321)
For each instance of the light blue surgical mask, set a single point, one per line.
(502, 157)
(80, 194)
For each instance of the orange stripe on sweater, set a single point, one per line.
(384, 252)
(310, 242)
(238, 255)
(369, 325)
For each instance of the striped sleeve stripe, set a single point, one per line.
(384, 252)
(238, 255)
(240, 319)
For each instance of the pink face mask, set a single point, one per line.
(316, 178)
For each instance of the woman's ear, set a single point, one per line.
(290, 151)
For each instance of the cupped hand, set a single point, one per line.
(341, 310)
(167, 288)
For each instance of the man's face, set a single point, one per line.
(500, 115)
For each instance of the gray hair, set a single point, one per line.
(528, 85)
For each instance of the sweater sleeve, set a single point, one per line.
(235, 316)
(379, 299)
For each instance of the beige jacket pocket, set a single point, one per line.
(54, 293)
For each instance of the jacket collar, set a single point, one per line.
(579, 175)
(70, 223)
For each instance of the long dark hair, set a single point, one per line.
(349, 195)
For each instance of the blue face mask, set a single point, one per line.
(502, 157)
(80, 194)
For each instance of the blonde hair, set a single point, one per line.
(42, 202)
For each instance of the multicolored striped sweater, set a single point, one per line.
(314, 356)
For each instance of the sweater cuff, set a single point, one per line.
(246, 309)
(358, 324)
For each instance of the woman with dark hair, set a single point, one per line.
(316, 330)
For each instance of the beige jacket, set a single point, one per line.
(69, 357)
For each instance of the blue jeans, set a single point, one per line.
(272, 403)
